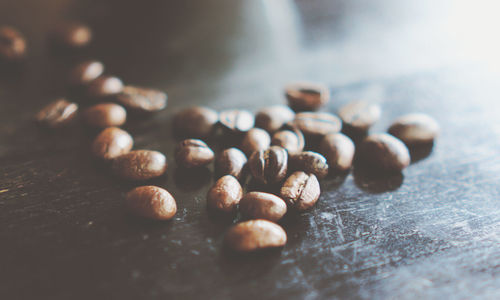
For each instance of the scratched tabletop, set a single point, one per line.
(431, 232)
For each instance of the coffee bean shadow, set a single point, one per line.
(254, 185)
(192, 179)
(12, 72)
(334, 180)
(375, 181)
(247, 266)
(420, 152)
(356, 135)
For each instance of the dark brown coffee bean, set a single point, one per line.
(259, 205)
(255, 235)
(290, 139)
(231, 162)
(309, 162)
(72, 35)
(111, 143)
(104, 115)
(12, 44)
(57, 113)
(360, 115)
(236, 120)
(225, 194)
(196, 121)
(414, 129)
(151, 202)
(269, 166)
(272, 118)
(254, 140)
(142, 99)
(338, 150)
(317, 124)
(86, 72)
(105, 86)
(301, 191)
(140, 165)
(385, 152)
(303, 96)
(193, 153)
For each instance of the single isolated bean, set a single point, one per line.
(384, 151)
(104, 115)
(192, 153)
(269, 166)
(360, 115)
(260, 205)
(304, 96)
(225, 194)
(236, 120)
(231, 161)
(254, 140)
(338, 150)
(196, 121)
(72, 34)
(255, 235)
(290, 139)
(85, 72)
(317, 124)
(105, 86)
(151, 202)
(140, 165)
(414, 129)
(301, 190)
(12, 44)
(140, 99)
(272, 118)
(57, 113)
(111, 143)
(309, 162)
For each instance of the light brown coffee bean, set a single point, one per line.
(310, 162)
(301, 191)
(338, 150)
(385, 152)
(360, 115)
(142, 100)
(304, 96)
(236, 120)
(414, 129)
(196, 122)
(72, 34)
(317, 124)
(272, 118)
(269, 166)
(260, 205)
(231, 162)
(111, 143)
(57, 114)
(254, 140)
(291, 139)
(104, 115)
(104, 86)
(193, 153)
(85, 72)
(255, 235)
(151, 202)
(140, 165)
(12, 44)
(225, 194)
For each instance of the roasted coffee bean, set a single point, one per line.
(196, 121)
(140, 165)
(12, 44)
(225, 194)
(383, 151)
(86, 72)
(301, 190)
(317, 124)
(272, 118)
(269, 166)
(104, 115)
(231, 162)
(309, 162)
(236, 120)
(193, 153)
(255, 235)
(57, 113)
(72, 35)
(303, 96)
(151, 202)
(254, 140)
(105, 86)
(259, 205)
(111, 143)
(290, 139)
(338, 150)
(360, 115)
(142, 99)
(414, 129)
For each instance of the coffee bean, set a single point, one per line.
(237, 120)
(338, 150)
(383, 151)
(254, 140)
(231, 162)
(259, 205)
(142, 99)
(151, 202)
(111, 143)
(269, 166)
(414, 129)
(310, 162)
(72, 35)
(140, 165)
(12, 44)
(105, 86)
(360, 115)
(304, 96)
(104, 115)
(272, 118)
(317, 124)
(255, 235)
(57, 113)
(301, 191)
(225, 195)
(196, 121)
(193, 153)
(85, 72)
(290, 139)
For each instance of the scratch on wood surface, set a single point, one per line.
(4, 190)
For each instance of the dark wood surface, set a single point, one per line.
(432, 232)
